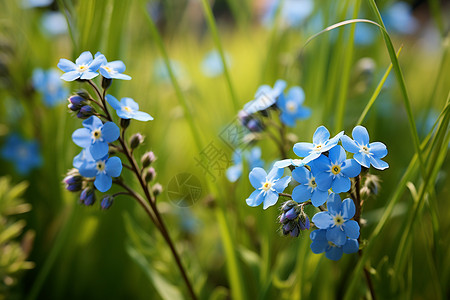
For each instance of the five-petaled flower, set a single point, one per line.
(337, 221)
(267, 186)
(127, 108)
(102, 169)
(364, 153)
(321, 244)
(113, 69)
(291, 106)
(265, 97)
(307, 189)
(321, 143)
(96, 136)
(85, 67)
(253, 157)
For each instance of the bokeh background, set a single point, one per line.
(52, 247)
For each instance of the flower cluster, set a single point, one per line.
(322, 172)
(95, 167)
(25, 155)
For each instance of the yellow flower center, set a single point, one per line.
(338, 220)
(267, 186)
(312, 183)
(96, 134)
(291, 106)
(318, 147)
(127, 109)
(335, 169)
(100, 166)
(82, 68)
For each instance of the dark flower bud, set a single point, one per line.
(76, 102)
(85, 112)
(106, 202)
(84, 94)
(136, 140)
(157, 189)
(73, 181)
(288, 205)
(149, 174)
(124, 123)
(254, 125)
(106, 83)
(147, 159)
(304, 222)
(87, 196)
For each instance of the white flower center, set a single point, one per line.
(291, 106)
(100, 166)
(318, 147)
(82, 68)
(338, 220)
(312, 183)
(267, 186)
(364, 149)
(96, 134)
(22, 152)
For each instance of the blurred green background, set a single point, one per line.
(230, 250)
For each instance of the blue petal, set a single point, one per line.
(321, 164)
(88, 75)
(130, 103)
(121, 76)
(110, 132)
(301, 193)
(351, 229)
(319, 235)
(297, 94)
(378, 149)
(335, 253)
(351, 168)
(363, 159)
(113, 166)
(88, 169)
(257, 177)
(99, 150)
(336, 236)
(337, 154)
(84, 58)
(301, 175)
(142, 116)
(349, 144)
(283, 163)
(66, 65)
(256, 198)
(92, 123)
(281, 184)
(70, 76)
(270, 199)
(324, 180)
(97, 62)
(287, 119)
(103, 182)
(117, 65)
(275, 173)
(378, 163)
(323, 220)
(303, 149)
(234, 172)
(319, 241)
(334, 204)
(348, 208)
(360, 135)
(351, 246)
(321, 135)
(114, 102)
(318, 197)
(82, 137)
(341, 184)
(333, 141)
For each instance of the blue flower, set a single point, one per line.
(50, 86)
(113, 69)
(82, 159)
(85, 67)
(332, 251)
(265, 97)
(54, 23)
(102, 169)
(127, 108)
(335, 170)
(253, 158)
(96, 136)
(321, 143)
(289, 162)
(308, 188)
(291, 106)
(364, 153)
(212, 65)
(25, 155)
(293, 12)
(337, 221)
(398, 18)
(267, 186)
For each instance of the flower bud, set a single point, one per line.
(136, 140)
(85, 112)
(149, 174)
(157, 189)
(76, 102)
(147, 159)
(106, 202)
(124, 123)
(73, 181)
(87, 196)
(106, 83)
(83, 94)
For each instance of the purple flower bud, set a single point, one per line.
(254, 125)
(83, 94)
(136, 140)
(85, 112)
(73, 181)
(304, 222)
(150, 174)
(106, 202)
(295, 231)
(147, 159)
(291, 214)
(76, 102)
(87, 196)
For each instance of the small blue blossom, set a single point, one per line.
(83, 158)
(337, 221)
(267, 186)
(113, 69)
(399, 18)
(96, 136)
(321, 143)
(293, 12)
(212, 65)
(335, 170)
(308, 188)
(49, 85)
(332, 251)
(253, 158)
(265, 97)
(102, 169)
(364, 153)
(85, 67)
(25, 155)
(127, 108)
(54, 23)
(291, 106)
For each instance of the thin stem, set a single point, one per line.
(285, 195)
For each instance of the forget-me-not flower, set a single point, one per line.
(308, 188)
(96, 136)
(102, 169)
(212, 65)
(291, 106)
(127, 108)
(85, 67)
(253, 158)
(82, 159)
(113, 69)
(399, 18)
(321, 143)
(265, 97)
(25, 155)
(364, 153)
(337, 221)
(267, 186)
(54, 23)
(332, 251)
(335, 170)
(49, 85)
